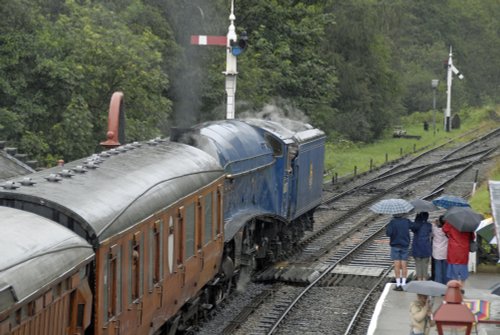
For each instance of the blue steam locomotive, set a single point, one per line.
(147, 237)
(273, 182)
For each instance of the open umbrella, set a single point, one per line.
(463, 218)
(421, 205)
(487, 231)
(426, 287)
(392, 206)
(448, 201)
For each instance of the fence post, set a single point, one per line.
(386, 157)
(401, 152)
(355, 170)
(371, 164)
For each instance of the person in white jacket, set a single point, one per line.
(439, 251)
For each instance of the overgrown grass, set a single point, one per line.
(343, 156)
(480, 201)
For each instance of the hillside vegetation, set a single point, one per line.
(353, 68)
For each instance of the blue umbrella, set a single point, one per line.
(448, 201)
(392, 206)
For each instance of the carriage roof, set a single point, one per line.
(129, 184)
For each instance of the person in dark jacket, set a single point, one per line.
(421, 248)
(398, 231)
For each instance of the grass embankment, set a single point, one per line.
(480, 201)
(343, 157)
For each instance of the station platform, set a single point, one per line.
(392, 317)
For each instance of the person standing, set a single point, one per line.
(458, 253)
(398, 231)
(421, 248)
(439, 251)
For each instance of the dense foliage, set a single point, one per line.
(351, 67)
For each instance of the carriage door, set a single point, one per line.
(112, 290)
(180, 243)
(135, 279)
(170, 244)
(156, 262)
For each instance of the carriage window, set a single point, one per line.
(170, 245)
(31, 308)
(18, 316)
(208, 218)
(113, 283)
(57, 290)
(80, 310)
(218, 212)
(136, 260)
(155, 252)
(199, 221)
(179, 240)
(190, 230)
(112, 292)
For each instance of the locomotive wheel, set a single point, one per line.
(222, 291)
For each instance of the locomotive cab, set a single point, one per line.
(299, 161)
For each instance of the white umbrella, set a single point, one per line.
(487, 230)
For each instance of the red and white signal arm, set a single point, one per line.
(208, 40)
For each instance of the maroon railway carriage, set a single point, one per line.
(153, 214)
(44, 268)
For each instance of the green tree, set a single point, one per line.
(72, 137)
(77, 59)
(369, 90)
(286, 56)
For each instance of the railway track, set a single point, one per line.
(325, 267)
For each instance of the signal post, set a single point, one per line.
(234, 47)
